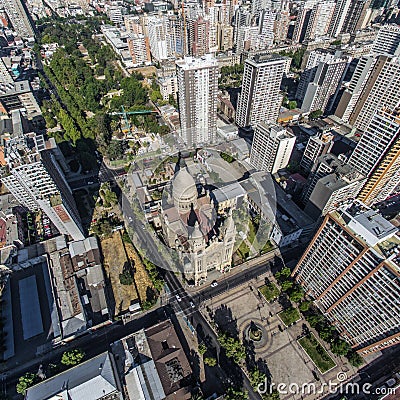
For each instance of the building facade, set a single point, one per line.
(197, 91)
(377, 156)
(36, 179)
(351, 271)
(260, 98)
(272, 147)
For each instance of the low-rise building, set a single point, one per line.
(94, 379)
(152, 364)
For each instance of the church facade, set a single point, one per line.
(191, 225)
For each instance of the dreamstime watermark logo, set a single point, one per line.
(337, 386)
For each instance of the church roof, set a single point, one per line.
(184, 184)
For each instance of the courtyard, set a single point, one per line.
(278, 351)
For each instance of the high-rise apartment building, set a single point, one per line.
(320, 19)
(139, 47)
(266, 25)
(317, 146)
(272, 147)
(302, 20)
(159, 37)
(19, 17)
(381, 90)
(322, 91)
(201, 41)
(351, 270)
(35, 177)
(281, 26)
(197, 90)
(315, 57)
(377, 156)
(388, 40)
(359, 79)
(356, 16)
(260, 98)
(338, 17)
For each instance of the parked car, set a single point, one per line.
(214, 283)
(178, 298)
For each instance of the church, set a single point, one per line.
(191, 225)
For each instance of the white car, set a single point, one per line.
(178, 298)
(192, 304)
(130, 219)
(214, 283)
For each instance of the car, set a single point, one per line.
(178, 298)
(130, 219)
(192, 304)
(214, 283)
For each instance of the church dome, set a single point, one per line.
(184, 191)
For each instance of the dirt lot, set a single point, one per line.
(114, 261)
(142, 279)
(146, 71)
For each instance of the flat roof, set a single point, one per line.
(31, 315)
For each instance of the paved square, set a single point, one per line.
(286, 361)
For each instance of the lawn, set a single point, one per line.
(269, 291)
(289, 316)
(317, 353)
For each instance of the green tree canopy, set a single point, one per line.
(72, 357)
(26, 381)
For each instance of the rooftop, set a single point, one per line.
(92, 380)
(369, 227)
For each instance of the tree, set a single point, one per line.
(236, 394)
(340, 347)
(233, 347)
(271, 396)
(283, 274)
(210, 361)
(296, 295)
(304, 306)
(26, 381)
(202, 348)
(257, 377)
(286, 285)
(126, 277)
(72, 357)
(116, 150)
(315, 114)
(354, 358)
(292, 104)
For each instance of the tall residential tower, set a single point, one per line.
(260, 98)
(197, 91)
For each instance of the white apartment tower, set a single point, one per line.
(260, 98)
(388, 40)
(35, 178)
(158, 37)
(197, 91)
(351, 270)
(381, 90)
(272, 147)
(320, 19)
(315, 57)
